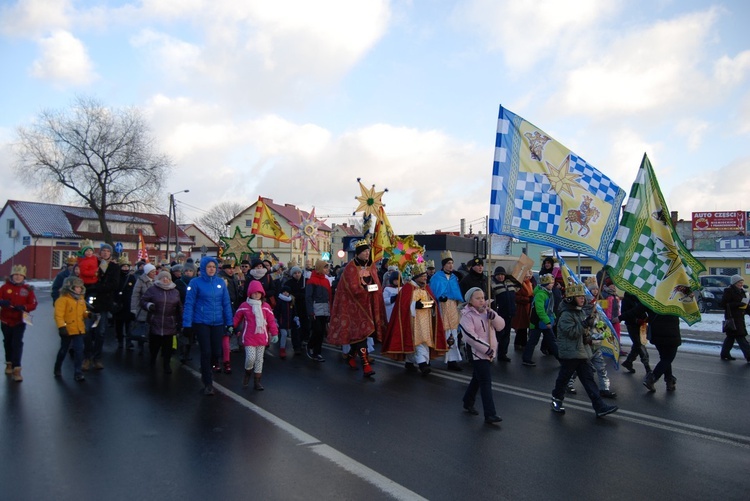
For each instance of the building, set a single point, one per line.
(285, 215)
(340, 235)
(40, 235)
(202, 244)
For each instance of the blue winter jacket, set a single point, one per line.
(207, 300)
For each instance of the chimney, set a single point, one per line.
(673, 215)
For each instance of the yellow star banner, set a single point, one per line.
(265, 225)
(648, 259)
(237, 245)
(383, 236)
(542, 192)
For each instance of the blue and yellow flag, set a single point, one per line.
(603, 333)
(542, 192)
(648, 259)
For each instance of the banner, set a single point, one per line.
(719, 221)
(542, 192)
(383, 236)
(648, 259)
(142, 252)
(264, 224)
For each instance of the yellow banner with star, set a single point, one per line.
(264, 224)
(543, 192)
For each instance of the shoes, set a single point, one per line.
(557, 406)
(208, 390)
(86, 365)
(728, 357)
(503, 358)
(8, 368)
(608, 394)
(453, 366)
(671, 384)
(571, 389)
(629, 366)
(246, 378)
(424, 368)
(352, 362)
(98, 365)
(649, 381)
(492, 419)
(80, 377)
(227, 368)
(256, 384)
(282, 353)
(544, 351)
(309, 353)
(470, 409)
(216, 368)
(410, 367)
(607, 409)
(17, 377)
(528, 363)
(318, 358)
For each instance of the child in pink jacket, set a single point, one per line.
(478, 325)
(259, 330)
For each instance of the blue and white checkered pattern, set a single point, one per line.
(594, 181)
(536, 207)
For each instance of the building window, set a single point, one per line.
(59, 257)
(11, 224)
(724, 271)
(92, 227)
(248, 223)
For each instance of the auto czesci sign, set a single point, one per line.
(719, 221)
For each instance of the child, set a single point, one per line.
(478, 324)
(390, 291)
(285, 313)
(17, 300)
(575, 351)
(88, 263)
(70, 313)
(259, 323)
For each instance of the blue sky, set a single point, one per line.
(294, 100)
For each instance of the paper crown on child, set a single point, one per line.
(18, 269)
(430, 264)
(71, 260)
(591, 283)
(123, 260)
(575, 290)
(86, 244)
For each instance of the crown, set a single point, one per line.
(575, 290)
(362, 242)
(71, 260)
(418, 269)
(591, 283)
(18, 269)
(446, 254)
(430, 263)
(87, 244)
(123, 260)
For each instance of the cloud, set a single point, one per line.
(725, 188)
(34, 18)
(64, 61)
(694, 130)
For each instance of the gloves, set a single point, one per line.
(274, 339)
(490, 353)
(63, 331)
(443, 299)
(4, 303)
(491, 315)
(230, 330)
(151, 307)
(19, 307)
(419, 305)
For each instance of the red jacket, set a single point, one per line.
(19, 295)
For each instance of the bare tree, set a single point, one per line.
(214, 222)
(105, 157)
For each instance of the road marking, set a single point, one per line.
(386, 485)
(742, 441)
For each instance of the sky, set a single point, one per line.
(294, 100)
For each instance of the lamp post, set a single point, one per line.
(169, 220)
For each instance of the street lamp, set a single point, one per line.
(172, 212)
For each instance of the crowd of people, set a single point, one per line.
(421, 316)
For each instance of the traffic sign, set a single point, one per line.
(118, 247)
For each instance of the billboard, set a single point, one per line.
(719, 221)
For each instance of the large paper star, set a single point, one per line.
(369, 201)
(307, 230)
(561, 179)
(405, 251)
(237, 245)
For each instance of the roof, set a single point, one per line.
(351, 231)
(59, 221)
(289, 212)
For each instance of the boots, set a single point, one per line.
(17, 377)
(352, 361)
(257, 386)
(227, 368)
(246, 378)
(9, 368)
(649, 381)
(424, 368)
(671, 383)
(366, 367)
(628, 364)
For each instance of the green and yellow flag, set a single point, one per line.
(647, 257)
(264, 224)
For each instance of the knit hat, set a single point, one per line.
(477, 261)
(294, 270)
(148, 268)
(177, 268)
(162, 275)
(735, 279)
(188, 266)
(320, 266)
(499, 271)
(255, 286)
(470, 292)
(105, 246)
(255, 262)
(86, 244)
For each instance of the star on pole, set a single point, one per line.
(237, 245)
(405, 251)
(369, 201)
(307, 230)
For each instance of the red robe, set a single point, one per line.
(356, 313)
(399, 338)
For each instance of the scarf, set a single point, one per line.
(321, 280)
(258, 273)
(260, 320)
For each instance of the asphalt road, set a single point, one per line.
(321, 431)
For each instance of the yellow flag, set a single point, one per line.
(265, 224)
(382, 236)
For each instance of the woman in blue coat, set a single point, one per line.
(209, 312)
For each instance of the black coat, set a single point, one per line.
(474, 279)
(665, 329)
(733, 301)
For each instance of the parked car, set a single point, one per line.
(710, 295)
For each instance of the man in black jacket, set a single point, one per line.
(504, 292)
(100, 298)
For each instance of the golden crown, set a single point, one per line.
(418, 269)
(446, 254)
(591, 283)
(360, 243)
(87, 244)
(18, 269)
(575, 290)
(430, 263)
